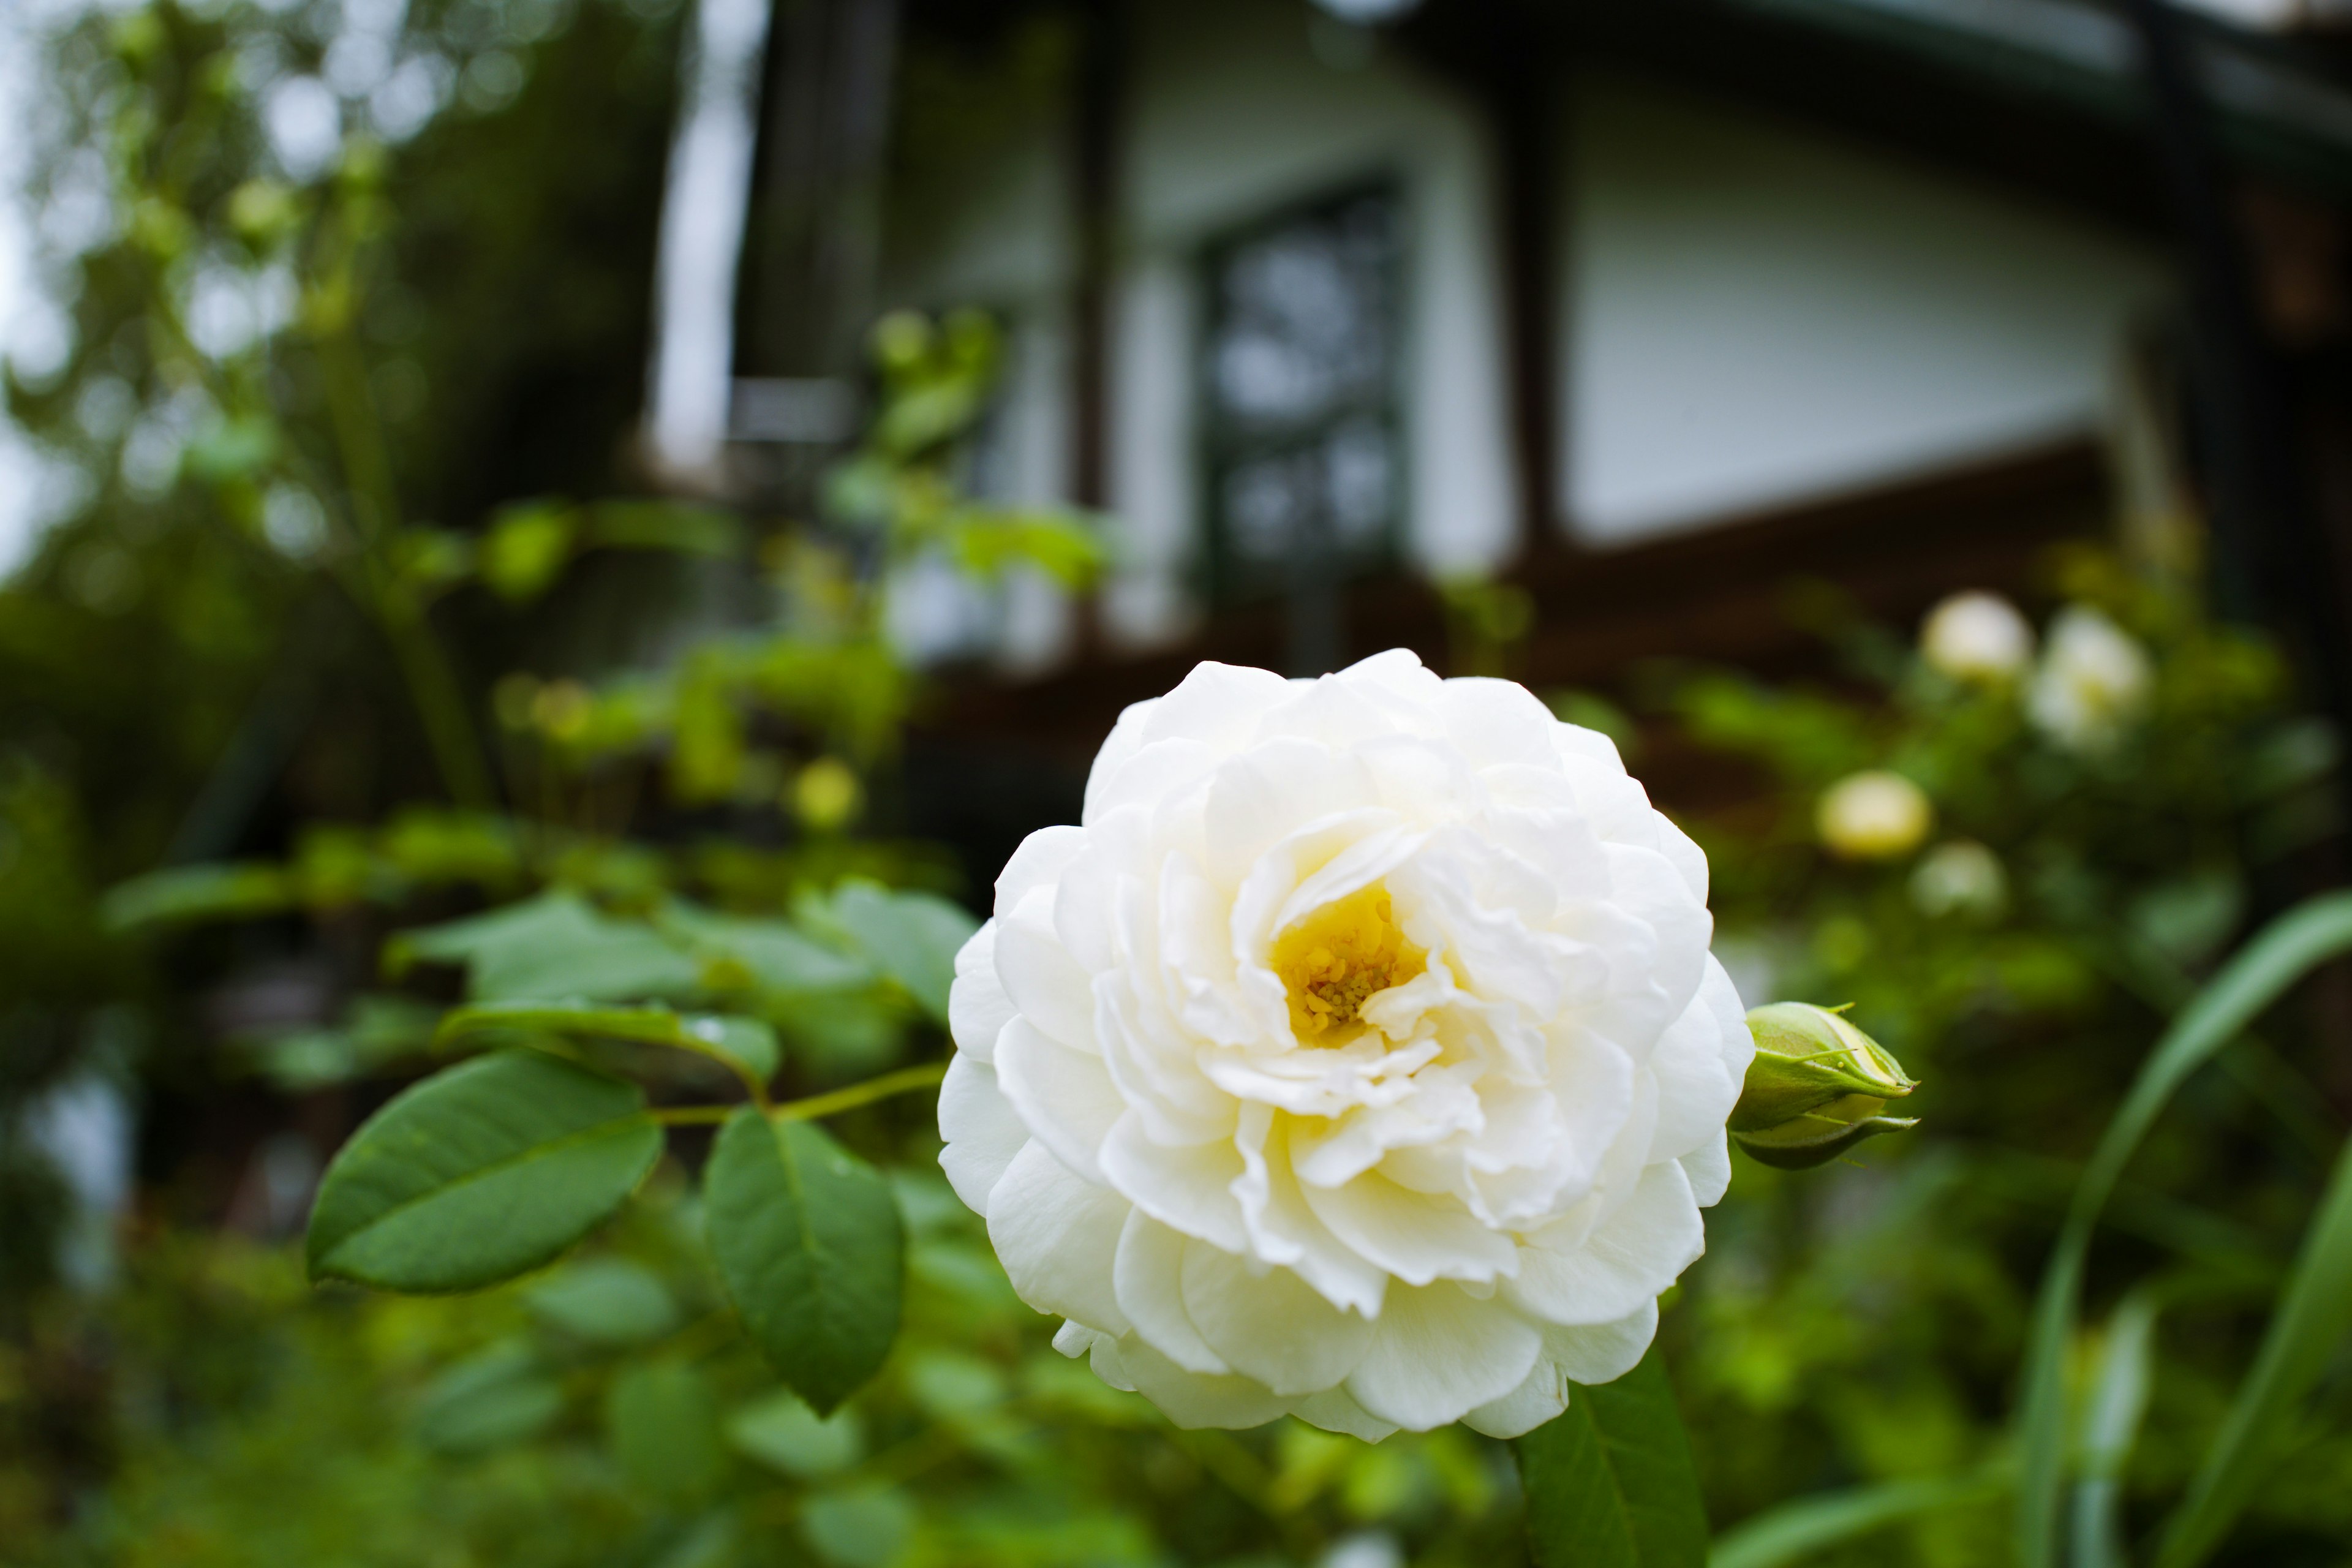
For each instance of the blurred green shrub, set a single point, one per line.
(2016, 911)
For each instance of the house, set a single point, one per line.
(1647, 309)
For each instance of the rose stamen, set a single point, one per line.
(1341, 957)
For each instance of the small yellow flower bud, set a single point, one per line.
(1816, 1088)
(826, 795)
(1873, 815)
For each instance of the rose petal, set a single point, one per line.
(1700, 1063)
(978, 1008)
(1593, 1353)
(1125, 738)
(1416, 1236)
(1186, 1186)
(1217, 703)
(1637, 1251)
(1037, 863)
(1542, 1395)
(1064, 1097)
(1497, 721)
(1269, 1324)
(1048, 986)
(1271, 790)
(1440, 1353)
(1148, 1275)
(1056, 1237)
(1335, 1410)
(1193, 1399)
(983, 1134)
(1282, 1229)
(1709, 1166)
(1159, 769)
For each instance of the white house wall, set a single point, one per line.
(1757, 316)
(1232, 114)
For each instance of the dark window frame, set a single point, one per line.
(1223, 442)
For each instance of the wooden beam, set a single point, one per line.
(1530, 81)
(1716, 594)
(1096, 122)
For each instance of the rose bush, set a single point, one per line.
(1360, 1054)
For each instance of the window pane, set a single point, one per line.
(1299, 387)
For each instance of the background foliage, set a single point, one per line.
(365, 689)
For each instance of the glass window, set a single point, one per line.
(1299, 387)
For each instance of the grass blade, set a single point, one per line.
(2315, 1314)
(1796, 1530)
(2110, 1427)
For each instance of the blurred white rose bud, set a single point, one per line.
(1962, 876)
(2095, 679)
(1873, 815)
(1358, 1054)
(1976, 635)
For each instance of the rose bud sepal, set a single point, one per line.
(1817, 1087)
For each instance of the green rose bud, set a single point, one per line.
(1816, 1088)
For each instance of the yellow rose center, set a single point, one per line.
(1338, 958)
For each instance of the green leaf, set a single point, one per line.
(1609, 1480)
(480, 1174)
(662, 1421)
(554, 945)
(376, 1032)
(183, 893)
(846, 1034)
(984, 540)
(951, 1384)
(436, 846)
(715, 1540)
(866, 1528)
(233, 449)
(1796, 1530)
(430, 559)
(2280, 954)
(2110, 1427)
(783, 1432)
(764, 954)
(2313, 1316)
(746, 1046)
(666, 525)
(606, 1302)
(913, 938)
(490, 1400)
(526, 545)
(807, 1241)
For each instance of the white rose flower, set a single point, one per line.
(1359, 1056)
(1976, 635)
(2095, 679)
(1873, 815)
